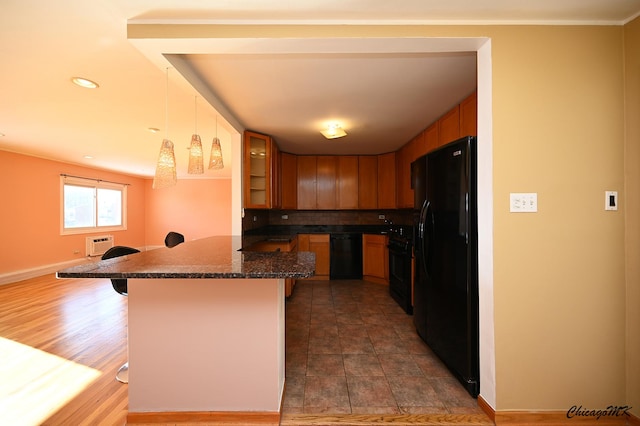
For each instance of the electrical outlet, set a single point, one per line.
(285, 216)
(255, 218)
(381, 217)
(521, 202)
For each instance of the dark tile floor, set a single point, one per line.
(350, 349)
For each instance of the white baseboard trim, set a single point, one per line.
(25, 274)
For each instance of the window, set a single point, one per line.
(92, 205)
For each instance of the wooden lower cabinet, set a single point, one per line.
(318, 244)
(291, 245)
(375, 258)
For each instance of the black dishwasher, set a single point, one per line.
(345, 256)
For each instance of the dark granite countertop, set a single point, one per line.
(288, 232)
(213, 257)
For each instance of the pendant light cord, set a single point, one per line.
(166, 106)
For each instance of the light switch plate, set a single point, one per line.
(523, 202)
(611, 200)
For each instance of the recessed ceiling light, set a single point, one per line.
(84, 82)
(1, 135)
(153, 129)
(88, 157)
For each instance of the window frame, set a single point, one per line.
(95, 184)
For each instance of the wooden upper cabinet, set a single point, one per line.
(469, 116)
(404, 158)
(449, 126)
(347, 182)
(387, 181)
(419, 145)
(367, 182)
(326, 173)
(289, 181)
(257, 173)
(307, 182)
(431, 137)
(276, 177)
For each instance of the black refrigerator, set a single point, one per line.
(446, 250)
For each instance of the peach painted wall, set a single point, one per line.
(196, 208)
(30, 213)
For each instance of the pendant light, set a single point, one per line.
(166, 167)
(215, 161)
(196, 166)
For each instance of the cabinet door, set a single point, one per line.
(326, 174)
(276, 177)
(367, 182)
(303, 242)
(318, 244)
(405, 193)
(419, 145)
(307, 182)
(449, 126)
(387, 181)
(431, 137)
(257, 170)
(347, 182)
(469, 116)
(375, 258)
(289, 181)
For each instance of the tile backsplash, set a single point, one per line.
(254, 219)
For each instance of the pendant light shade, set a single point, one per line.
(215, 162)
(196, 165)
(166, 168)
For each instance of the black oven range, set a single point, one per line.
(400, 261)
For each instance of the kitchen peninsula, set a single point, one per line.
(205, 328)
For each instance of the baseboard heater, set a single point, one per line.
(97, 246)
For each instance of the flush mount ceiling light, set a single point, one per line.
(333, 131)
(84, 82)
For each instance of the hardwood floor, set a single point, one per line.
(62, 342)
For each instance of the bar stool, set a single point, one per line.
(120, 286)
(173, 239)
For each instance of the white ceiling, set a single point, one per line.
(383, 91)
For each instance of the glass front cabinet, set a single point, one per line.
(257, 171)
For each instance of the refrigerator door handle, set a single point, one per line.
(429, 236)
(424, 232)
